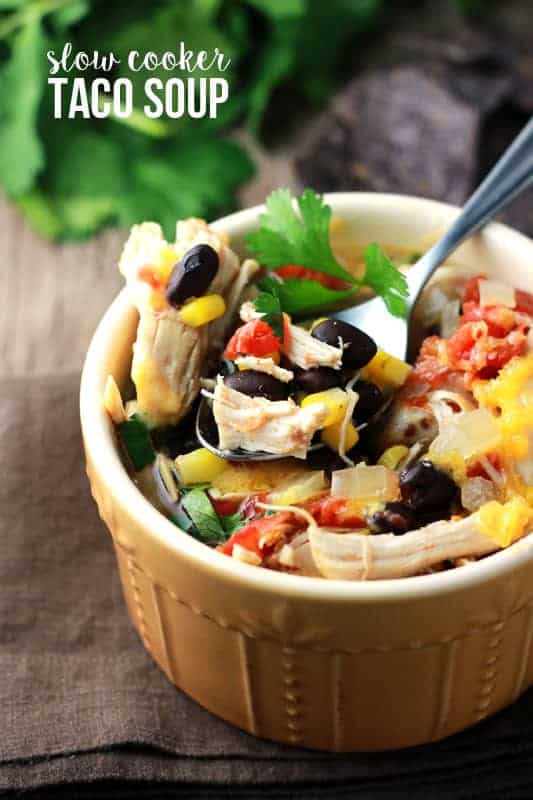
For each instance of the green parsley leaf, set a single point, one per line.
(287, 237)
(269, 305)
(300, 296)
(137, 442)
(208, 527)
(387, 281)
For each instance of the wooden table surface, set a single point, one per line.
(53, 295)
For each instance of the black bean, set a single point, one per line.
(257, 384)
(359, 348)
(425, 488)
(329, 460)
(369, 403)
(317, 379)
(192, 275)
(395, 518)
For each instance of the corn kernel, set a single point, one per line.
(203, 310)
(505, 523)
(335, 399)
(386, 371)
(199, 466)
(392, 456)
(165, 263)
(331, 436)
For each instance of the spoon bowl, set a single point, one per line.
(509, 177)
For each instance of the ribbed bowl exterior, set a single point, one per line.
(364, 669)
(336, 676)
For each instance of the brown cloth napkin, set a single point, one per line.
(84, 710)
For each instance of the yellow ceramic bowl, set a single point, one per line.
(326, 664)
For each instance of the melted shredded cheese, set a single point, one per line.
(353, 397)
(293, 509)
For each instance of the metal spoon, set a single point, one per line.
(511, 175)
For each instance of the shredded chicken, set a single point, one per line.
(303, 350)
(407, 424)
(170, 357)
(168, 360)
(258, 424)
(298, 557)
(353, 556)
(266, 365)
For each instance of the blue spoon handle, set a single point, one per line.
(511, 175)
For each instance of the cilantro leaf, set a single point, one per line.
(21, 79)
(300, 296)
(137, 442)
(287, 237)
(268, 304)
(208, 527)
(233, 522)
(387, 281)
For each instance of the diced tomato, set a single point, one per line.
(500, 319)
(328, 281)
(477, 470)
(147, 275)
(430, 367)
(471, 292)
(480, 355)
(524, 302)
(275, 526)
(336, 512)
(460, 346)
(225, 507)
(502, 352)
(255, 338)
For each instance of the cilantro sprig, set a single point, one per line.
(287, 237)
(202, 521)
(269, 305)
(296, 231)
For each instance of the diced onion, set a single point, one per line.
(449, 318)
(299, 490)
(467, 434)
(477, 491)
(372, 484)
(246, 556)
(496, 293)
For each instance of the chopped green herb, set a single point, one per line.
(233, 522)
(207, 525)
(387, 281)
(137, 442)
(286, 237)
(268, 304)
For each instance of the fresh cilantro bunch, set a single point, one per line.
(296, 231)
(70, 177)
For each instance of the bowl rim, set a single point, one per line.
(101, 447)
